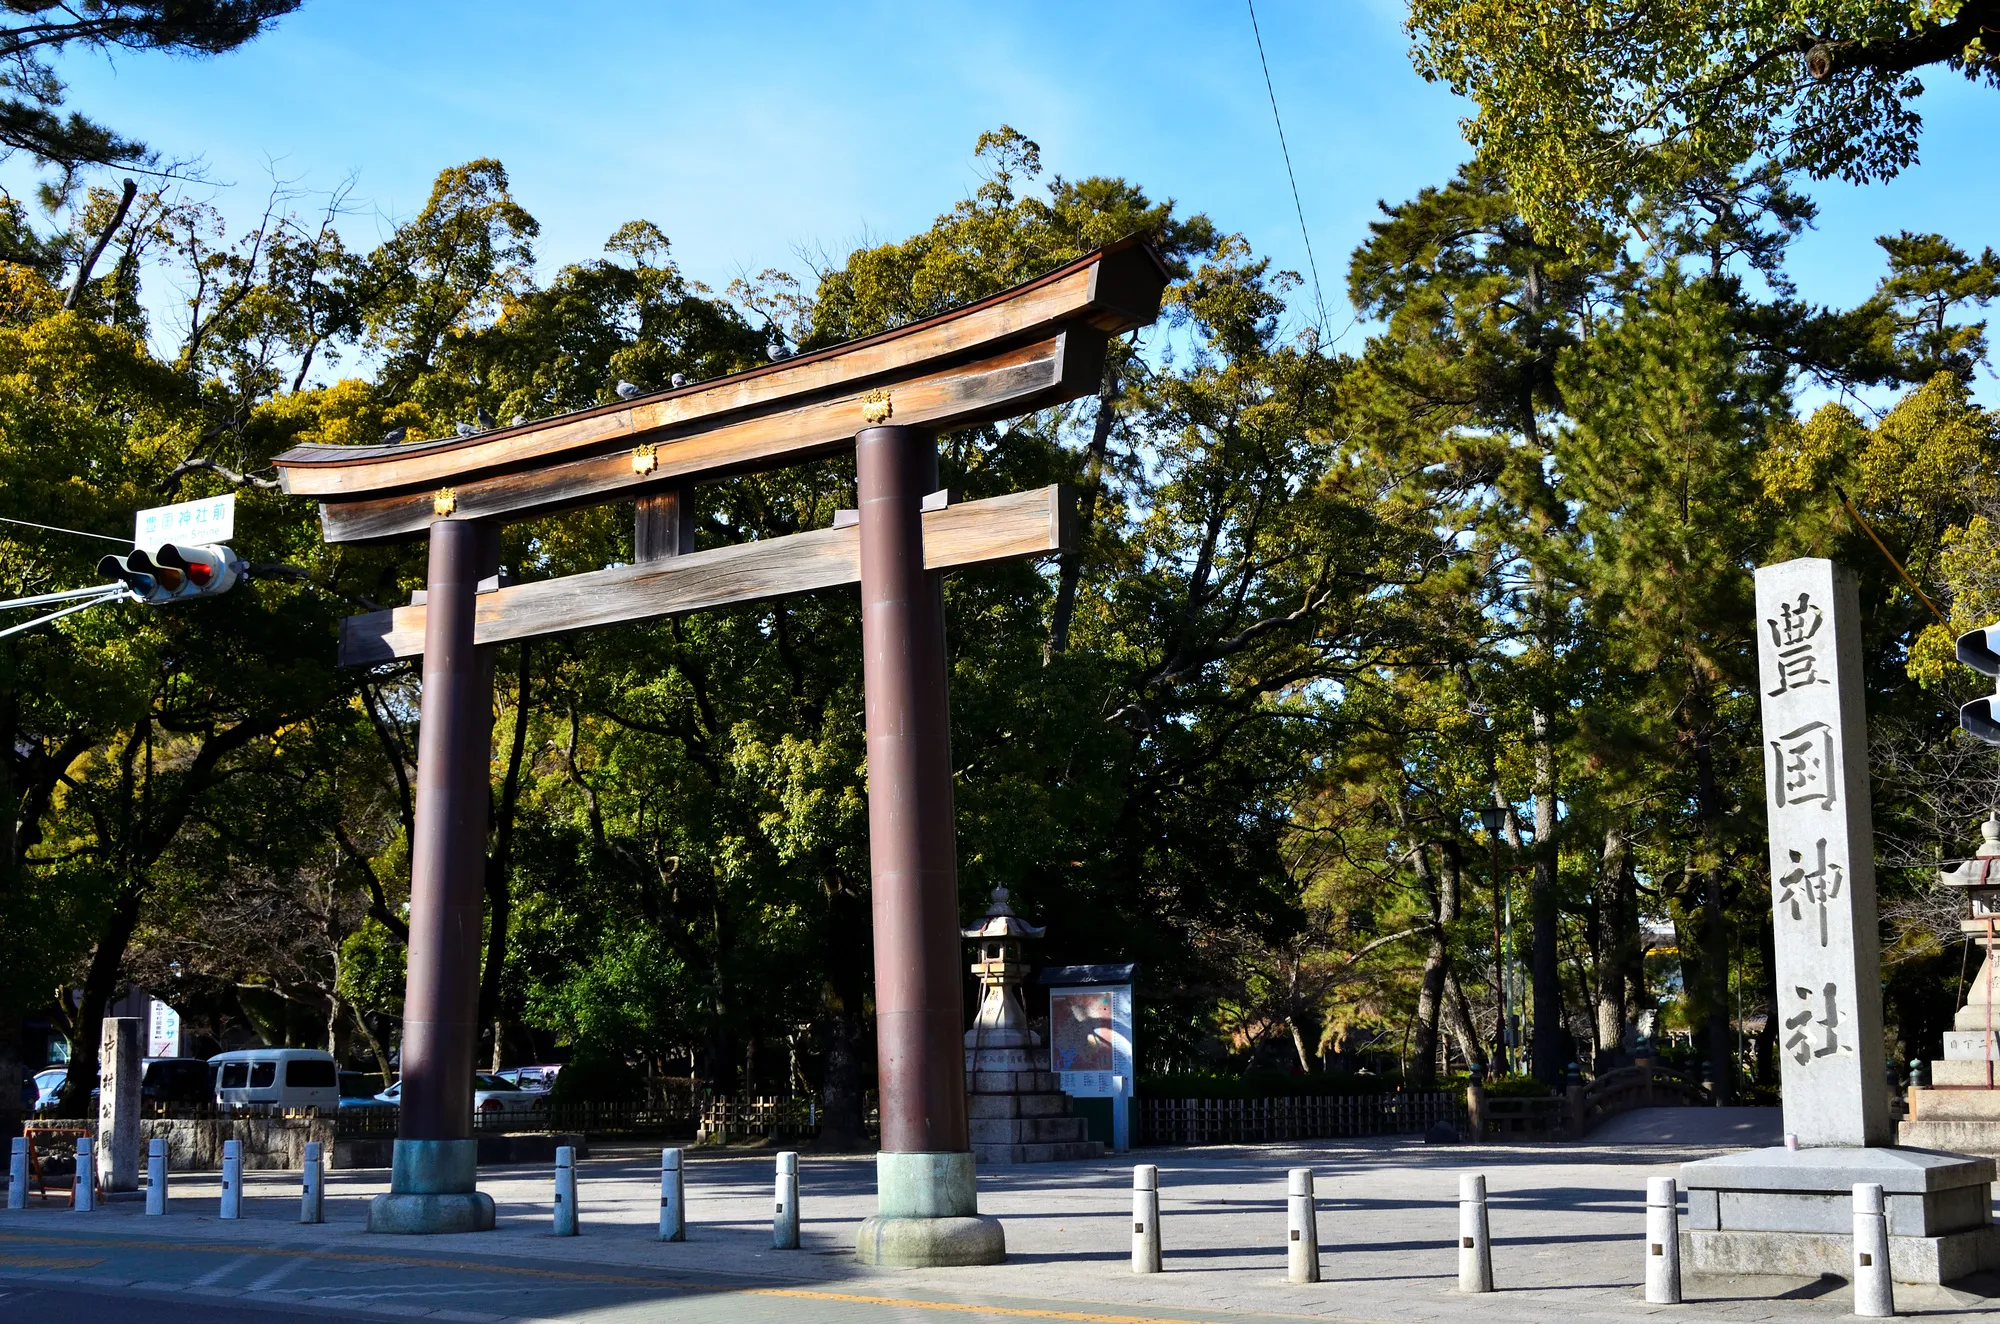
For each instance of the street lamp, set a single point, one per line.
(1494, 818)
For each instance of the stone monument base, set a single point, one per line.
(927, 1215)
(1017, 1113)
(1964, 1120)
(433, 1189)
(1791, 1212)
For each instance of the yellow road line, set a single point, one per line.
(965, 1308)
(46, 1262)
(619, 1280)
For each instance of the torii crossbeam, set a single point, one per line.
(888, 396)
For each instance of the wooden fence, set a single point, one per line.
(1310, 1117)
(713, 1119)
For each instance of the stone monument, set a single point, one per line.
(120, 1069)
(1788, 1210)
(1960, 1110)
(1015, 1110)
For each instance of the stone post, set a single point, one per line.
(118, 1104)
(1475, 1241)
(1829, 965)
(673, 1197)
(1301, 1227)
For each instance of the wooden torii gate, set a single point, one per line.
(887, 396)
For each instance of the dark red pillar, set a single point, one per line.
(448, 853)
(912, 837)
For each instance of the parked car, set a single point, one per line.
(175, 1080)
(360, 1092)
(48, 1087)
(490, 1095)
(277, 1078)
(531, 1078)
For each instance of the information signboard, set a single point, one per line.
(163, 1031)
(1090, 1048)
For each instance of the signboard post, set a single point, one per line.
(1090, 1039)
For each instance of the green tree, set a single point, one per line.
(1589, 108)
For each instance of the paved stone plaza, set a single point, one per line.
(1566, 1227)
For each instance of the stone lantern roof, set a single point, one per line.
(1978, 871)
(1000, 921)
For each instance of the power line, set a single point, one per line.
(1312, 264)
(53, 528)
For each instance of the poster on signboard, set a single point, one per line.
(1080, 1030)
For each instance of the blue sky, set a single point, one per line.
(752, 133)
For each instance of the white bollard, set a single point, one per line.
(312, 1191)
(1301, 1228)
(85, 1188)
(232, 1179)
(565, 1191)
(673, 1197)
(1145, 1218)
(156, 1176)
(1475, 1247)
(17, 1174)
(1663, 1242)
(1874, 1294)
(785, 1220)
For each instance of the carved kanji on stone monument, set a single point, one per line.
(1822, 854)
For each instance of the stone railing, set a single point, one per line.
(194, 1144)
(1309, 1117)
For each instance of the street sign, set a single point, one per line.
(210, 520)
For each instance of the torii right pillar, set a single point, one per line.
(927, 1210)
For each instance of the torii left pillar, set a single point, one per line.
(433, 1186)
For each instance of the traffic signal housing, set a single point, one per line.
(174, 571)
(1980, 650)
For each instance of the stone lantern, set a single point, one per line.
(1015, 1109)
(1002, 1022)
(1961, 1110)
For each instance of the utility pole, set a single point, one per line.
(1493, 818)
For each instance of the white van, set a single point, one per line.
(276, 1078)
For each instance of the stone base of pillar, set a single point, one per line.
(928, 1215)
(432, 1189)
(1791, 1212)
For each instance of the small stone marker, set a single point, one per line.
(1822, 854)
(1301, 1228)
(84, 1184)
(119, 1072)
(785, 1218)
(565, 1208)
(232, 1179)
(156, 1176)
(673, 1197)
(1663, 1242)
(312, 1191)
(1145, 1218)
(17, 1174)
(1475, 1247)
(1874, 1294)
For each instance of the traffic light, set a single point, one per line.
(173, 571)
(1980, 650)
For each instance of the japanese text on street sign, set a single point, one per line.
(212, 519)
